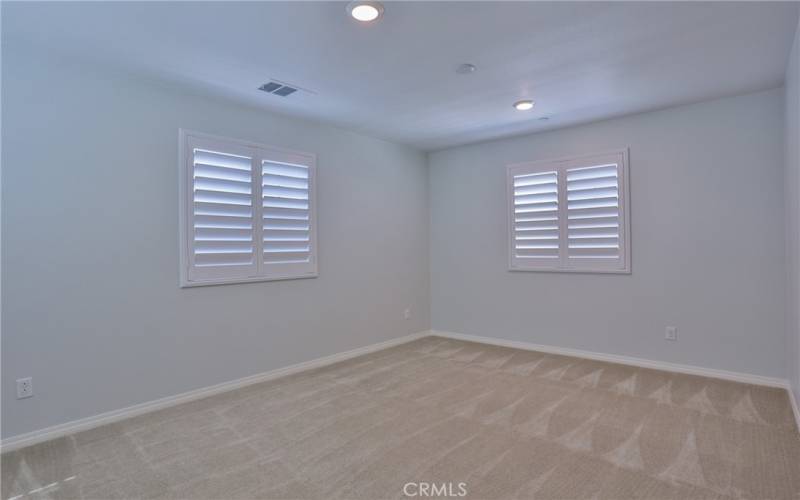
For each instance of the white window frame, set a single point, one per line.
(259, 152)
(562, 264)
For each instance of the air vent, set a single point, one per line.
(278, 88)
(270, 87)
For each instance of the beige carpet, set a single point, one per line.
(499, 423)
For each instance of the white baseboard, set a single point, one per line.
(624, 360)
(60, 430)
(795, 408)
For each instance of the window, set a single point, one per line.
(570, 215)
(247, 212)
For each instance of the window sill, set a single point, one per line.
(571, 271)
(235, 281)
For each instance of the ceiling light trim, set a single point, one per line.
(524, 105)
(365, 11)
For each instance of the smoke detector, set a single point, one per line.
(465, 69)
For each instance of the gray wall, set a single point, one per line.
(707, 225)
(792, 185)
(91, 305)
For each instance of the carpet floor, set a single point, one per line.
(439, 417)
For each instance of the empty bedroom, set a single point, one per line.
(390, 250)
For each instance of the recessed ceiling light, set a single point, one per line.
(365, 10)
(523, 105)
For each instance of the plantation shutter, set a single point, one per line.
(593, 212)
(222, 231)
(536, 216)
(287, 219)
(247, 212)
(570, 214)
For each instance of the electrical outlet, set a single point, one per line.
(671, 333)
(24, 388)
(407, 313)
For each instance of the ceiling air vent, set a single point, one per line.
(278, 88)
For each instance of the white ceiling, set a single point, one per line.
(395, 79)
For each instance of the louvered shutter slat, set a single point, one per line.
(528, 189)
(286, 224)
(543, 225)
(223, 221)
(222, 173)
(222, 198)
(537, 235)
(604, 242)
(546, 216)
(593, 218)
(593, 193)
(214, 184)
(531, 208)
(287, 193)
(592, 173)
(594, 253)
(285, 170)
(222, 210)
(222, 246)
(594, 222)
(281, 202)
(551, 253)
(279, 181)
(278, 257)
(222, 234)
(593, 213)
(272, 214)
(224, 160)
(286, 235)
(592, 232)
(285, 246)
(532, 199)
(223, 259)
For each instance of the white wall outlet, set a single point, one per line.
(671, 333)
(24, 388)
(407, 313)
